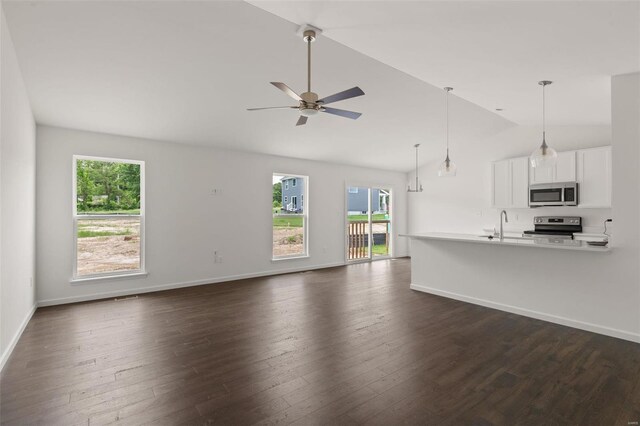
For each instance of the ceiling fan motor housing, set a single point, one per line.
(309, 105)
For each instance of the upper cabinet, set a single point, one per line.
(563, 171)
(511, 183)
(594, 177)
(591, 168)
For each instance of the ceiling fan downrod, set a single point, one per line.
(309, 98)
(309, 37)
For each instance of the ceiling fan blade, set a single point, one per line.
(286, 89)
(342, 112)
(302, 120)
(281, 107)
(347, 94)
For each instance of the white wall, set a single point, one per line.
(597, 292)
(625, 266)
(17, 199)
(184, 223)
(463, 203)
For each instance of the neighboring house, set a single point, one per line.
(292, 194)
(293, 197)
(357, 200)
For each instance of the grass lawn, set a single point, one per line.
(288, 221)
(354, 217)
(84, 233)
(94, 212)
(379, 249)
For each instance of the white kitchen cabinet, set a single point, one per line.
(540, 174)
(594, 177)
(501, 183)
(511, 183)
(563, 171)
(520, 182)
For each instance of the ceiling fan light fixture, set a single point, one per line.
(448, 168)
(544, 155)
(308, 112)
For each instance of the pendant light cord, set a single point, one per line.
(544, 125)
(417, 167)
(447, 102)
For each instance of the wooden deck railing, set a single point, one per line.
(358, 238)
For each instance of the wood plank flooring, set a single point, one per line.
(347, 345)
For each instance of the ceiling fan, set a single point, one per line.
(308, 102)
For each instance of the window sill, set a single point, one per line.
(279, 259)
(95, 279)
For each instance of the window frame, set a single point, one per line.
(141, 271)
(305, 220)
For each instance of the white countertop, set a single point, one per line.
(511, 240)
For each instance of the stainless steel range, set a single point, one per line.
(557, 227)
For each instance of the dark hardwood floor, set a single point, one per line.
(348, 345)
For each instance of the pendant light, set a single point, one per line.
(418, 187)
(544, 156)
(448, 167)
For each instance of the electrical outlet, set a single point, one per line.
(216, 191)
(216, 257)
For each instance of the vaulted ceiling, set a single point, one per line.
(187, 71)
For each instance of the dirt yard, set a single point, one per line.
(108, 253)
(287, 241)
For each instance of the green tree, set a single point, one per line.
(130, 179)
(277, 193)
(107, 186)
(85, 186)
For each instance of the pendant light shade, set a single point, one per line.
(448, 167)
(544, 155)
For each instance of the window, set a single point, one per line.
(108, 217)
(290, 218)
(353, 190)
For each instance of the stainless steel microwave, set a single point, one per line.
(553, 194)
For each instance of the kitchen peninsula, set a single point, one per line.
(526, 276)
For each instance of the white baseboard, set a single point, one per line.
(12, 344)
(161, 287)
(607, 331)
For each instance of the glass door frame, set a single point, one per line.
(370, 188)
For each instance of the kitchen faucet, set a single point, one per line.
(506, 219)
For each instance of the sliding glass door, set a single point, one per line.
(368, 223)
